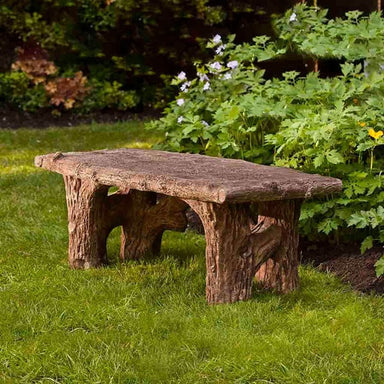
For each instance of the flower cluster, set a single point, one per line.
(208, 76)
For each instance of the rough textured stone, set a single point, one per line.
(189, 176)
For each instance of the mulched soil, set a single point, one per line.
(14, 119)
(346, 262)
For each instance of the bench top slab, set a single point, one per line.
(189, 176)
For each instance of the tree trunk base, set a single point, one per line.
(92, 214)
(280, 272)
(235, 248)
(148, 216)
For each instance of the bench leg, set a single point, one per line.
(86, 224)
(148, 216)
(280, 272)
(235, 248)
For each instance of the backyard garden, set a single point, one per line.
(309, 96)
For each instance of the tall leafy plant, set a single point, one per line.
(333, 126)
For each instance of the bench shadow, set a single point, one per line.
(317, 291)
(180, 247)
(186, 250)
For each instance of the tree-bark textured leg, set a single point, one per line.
(234, 248)
(86, 222)
(148, 216)
(280, 272)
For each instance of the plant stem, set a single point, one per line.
(371, 163)
(316, 65)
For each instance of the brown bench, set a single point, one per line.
(154, 190)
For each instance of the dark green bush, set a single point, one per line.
(16, 90)
(105, 95)
(127, 42)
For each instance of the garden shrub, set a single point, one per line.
(16, 90)
(35, 83)
(106, 94)
(127, 43)
(333, 126)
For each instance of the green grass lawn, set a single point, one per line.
(148, 322)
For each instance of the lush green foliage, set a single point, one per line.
(333, 126)
(125, 44)
(16, 89)
(59, 93)
(148, 322)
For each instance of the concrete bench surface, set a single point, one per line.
(155, 188)
(189, 176)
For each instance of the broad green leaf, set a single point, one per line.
(318, 160)
(366, 244)
(358, 220)
(234, 112)
(334, 157)
(379, 267)
(327, 226)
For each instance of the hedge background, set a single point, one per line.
(139, 45)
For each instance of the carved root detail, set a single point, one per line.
(235, 248)
(280, 272)
(92, 214)
(148, 216)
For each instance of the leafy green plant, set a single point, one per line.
(135, 42)
(331, 126)
(16, 90)
(104, 94)
(35, 83)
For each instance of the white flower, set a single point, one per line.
(217, 39)
(227, 76)
(180, 119)
(293, 17)
(184, 87)
(219, 50)
(206, 86)
(204, 123)
(180, 102)
(216, 65)
(233, 64)
(182, 76)
(202, 76)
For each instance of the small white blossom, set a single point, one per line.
(293, 17)
(182, 76)
(204, 123)
(180, 119)
(202, 76)
(227, 76)
(217, 39)
(184, 87)
(216, 65)
(206, 86)
(180, 102)
(233, 64)
(219, 50)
